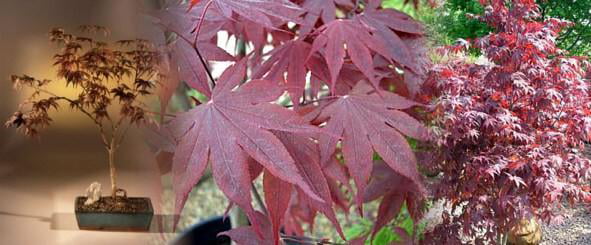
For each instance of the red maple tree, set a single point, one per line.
(511, 131)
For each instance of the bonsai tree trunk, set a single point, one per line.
(112, 170)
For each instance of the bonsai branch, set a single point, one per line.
(84, 111)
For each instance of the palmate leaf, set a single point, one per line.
(362, 41)
(176, 18)
(227, 130)
(369, 122)
(332, 39)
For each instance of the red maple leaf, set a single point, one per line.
(227, 130)
(332, 39)
(362, 41)
(190, 69)
(368, 122)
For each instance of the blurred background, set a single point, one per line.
(39, 178)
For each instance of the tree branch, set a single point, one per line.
(73, 102)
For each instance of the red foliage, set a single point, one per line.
(511, 132)
(349, 51)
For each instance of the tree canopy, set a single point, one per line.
(453, 21)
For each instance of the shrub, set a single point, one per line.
(511, 131)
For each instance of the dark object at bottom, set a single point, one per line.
(206, 233)
(115, 221)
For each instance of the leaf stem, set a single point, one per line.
(197, 30)
(204, 65)
(258, 199)
(314, 101)
(201, 59)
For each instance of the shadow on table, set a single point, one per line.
(67, 221)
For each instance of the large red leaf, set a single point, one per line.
(384, 23)
(178, 20)
(368, 123)
(227, 130)
(332, 39)
(360, 44)
(392, 19)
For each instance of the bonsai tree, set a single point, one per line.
(110, 80)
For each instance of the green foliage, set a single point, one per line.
(197, 96)
(387, 234)
(452, 22)
(576, 39)
(425, 14)
(402, 6)
(358, 229)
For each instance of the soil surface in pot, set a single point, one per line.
(118, 205)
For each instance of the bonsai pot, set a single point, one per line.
(206, 232)
(526, 232)
(118, 213)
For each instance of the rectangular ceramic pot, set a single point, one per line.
(118, 221)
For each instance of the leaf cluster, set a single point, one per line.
(351, 71)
